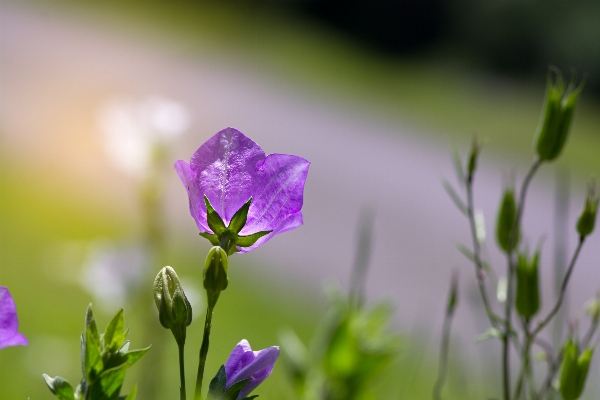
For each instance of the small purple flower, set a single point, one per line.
(229, 169)
(243, 363)
(9, 323)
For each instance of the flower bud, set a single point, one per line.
(574, 371)
(215, 274)
(174, 309)
(528, 296)
(587, 219)
(555, 122)
(507, 231)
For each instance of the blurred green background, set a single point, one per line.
(450, 68)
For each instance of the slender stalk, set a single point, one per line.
(182, 390)
(525, 356)
(495, 319)
(444, 349)
(542, 324)
(203, 352)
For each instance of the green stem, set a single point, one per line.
(203, 352)
(182, 390)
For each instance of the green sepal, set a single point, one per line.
(247, 241)
(215, 223)
(238, 221)
(114, 335)
(234, 390)
(217, 384)
(250, 397)
(212, 238)
(60, 387)
(216, 388)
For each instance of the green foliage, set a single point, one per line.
(349, 351)
(104, 362)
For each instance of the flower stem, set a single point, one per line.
(181, 347)
(203, 351)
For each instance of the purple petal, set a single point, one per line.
(9, 322)
(277, 193)
(234, 362)
(225, 170)
(291, 222)
(196, 198)
(258, 370)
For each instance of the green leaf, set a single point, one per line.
(132, 394)
(458, 167)
(93, 359)
(455, 197)
(215, 223)
(114, 335)
(90, 322)
(212, 238)
(60, 387)
(108, 386)
(238, 221)
(250, 397)
(247, 241)
(135, 355)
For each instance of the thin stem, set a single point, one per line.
(444, 349)
(203, 352)
(542, 324)
(507, 331)
(525, 356)
(495, 319)
(182, 390)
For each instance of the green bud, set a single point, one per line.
(587, 219)
(215, 274)
(507, 231)
(574, 370)
(528, 296)
(557, 115)
(174, 309)
(473, 156)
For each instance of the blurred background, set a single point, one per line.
(98, 99)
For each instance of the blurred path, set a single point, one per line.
(56, 73)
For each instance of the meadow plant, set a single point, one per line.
(516, 319)
(240, 198)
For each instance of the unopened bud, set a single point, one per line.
(507, 231)
(174, 309)
(527, 299)
(587, 219)
(574, 371)
(556, 118)
(215, 274)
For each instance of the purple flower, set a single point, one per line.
(9, 322)
(228, 170)
(243, 363)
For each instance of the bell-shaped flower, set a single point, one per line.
(9, 323)
(240, 197)
(243, 363)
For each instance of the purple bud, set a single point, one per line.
(229, 169)
(9, 323)
(243, 363)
